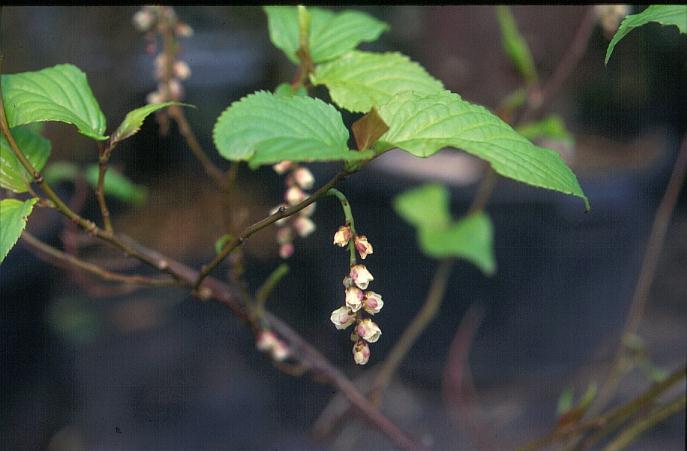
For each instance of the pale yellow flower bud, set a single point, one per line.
(368, 330)
(280, 351)
(282, 167)
(361, 352)
(373, 302)
(342, 317)
(294, 195)
(304, 226)
(143, 20)
(354, 298)
(266, 340)
(362, 246)
(303, 178)
(183, 30)
(347, 282)
(342, 236)
(361, 276)
(154, 97)
(182, 70)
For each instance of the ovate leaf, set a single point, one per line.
(13, 175)
(515, 45)
(264, 128)
(331, 34)
(426, 206)
(663, 14)
(134, 119)
(422, 125)
(117, 185)
(60, 93)
(469, 238)
(13, 216)
(360, 80)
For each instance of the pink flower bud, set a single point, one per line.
(183, 30)
(362, 246)
(143, 20)
(361, 276)
(368, 330)
(304, 226)
(294, 195)
(373, 302)
(266, 340)
(182, 70)
(361, 352)
(354, 298)
(342, 317)
(284, 235)
(304, 177)
(282, 167)
(342, 236)
(154, 97)
(286, 250)
(280, 351)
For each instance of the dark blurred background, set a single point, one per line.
(84, 369)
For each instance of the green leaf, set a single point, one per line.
(60, 171)
(331, 34)
(426, 206)
(117, 185)
(59, 93)
(663, 14)
(422, 125)
(551, 126)
(285, 89)
(134, 119)
(515, 45)
(360, 80)
(13, 216)
(13, 175)
(263, 128)
(469, 238)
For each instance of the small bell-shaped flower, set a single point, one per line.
(361, 276)
(363, 246)
(181, 70)
(361, 352)
(304, 226)
(282, 167)
(342, 236)
(373, 302)
(354, 298)
(303, 178)
(286, 250)
(347, 282)
(342, 317)
(294, 195)
(368, 330)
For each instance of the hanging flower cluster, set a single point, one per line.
(359, 301)
(169, 69)
(299, 179)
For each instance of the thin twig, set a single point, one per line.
(539, 98)
(63, 259)
(250, 230)
(635, 430)
(647, 272)
(104, 153)
(422, 319)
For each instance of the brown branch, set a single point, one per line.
(647, 272)
(60, 258)
(104, 153)
(250, 230)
